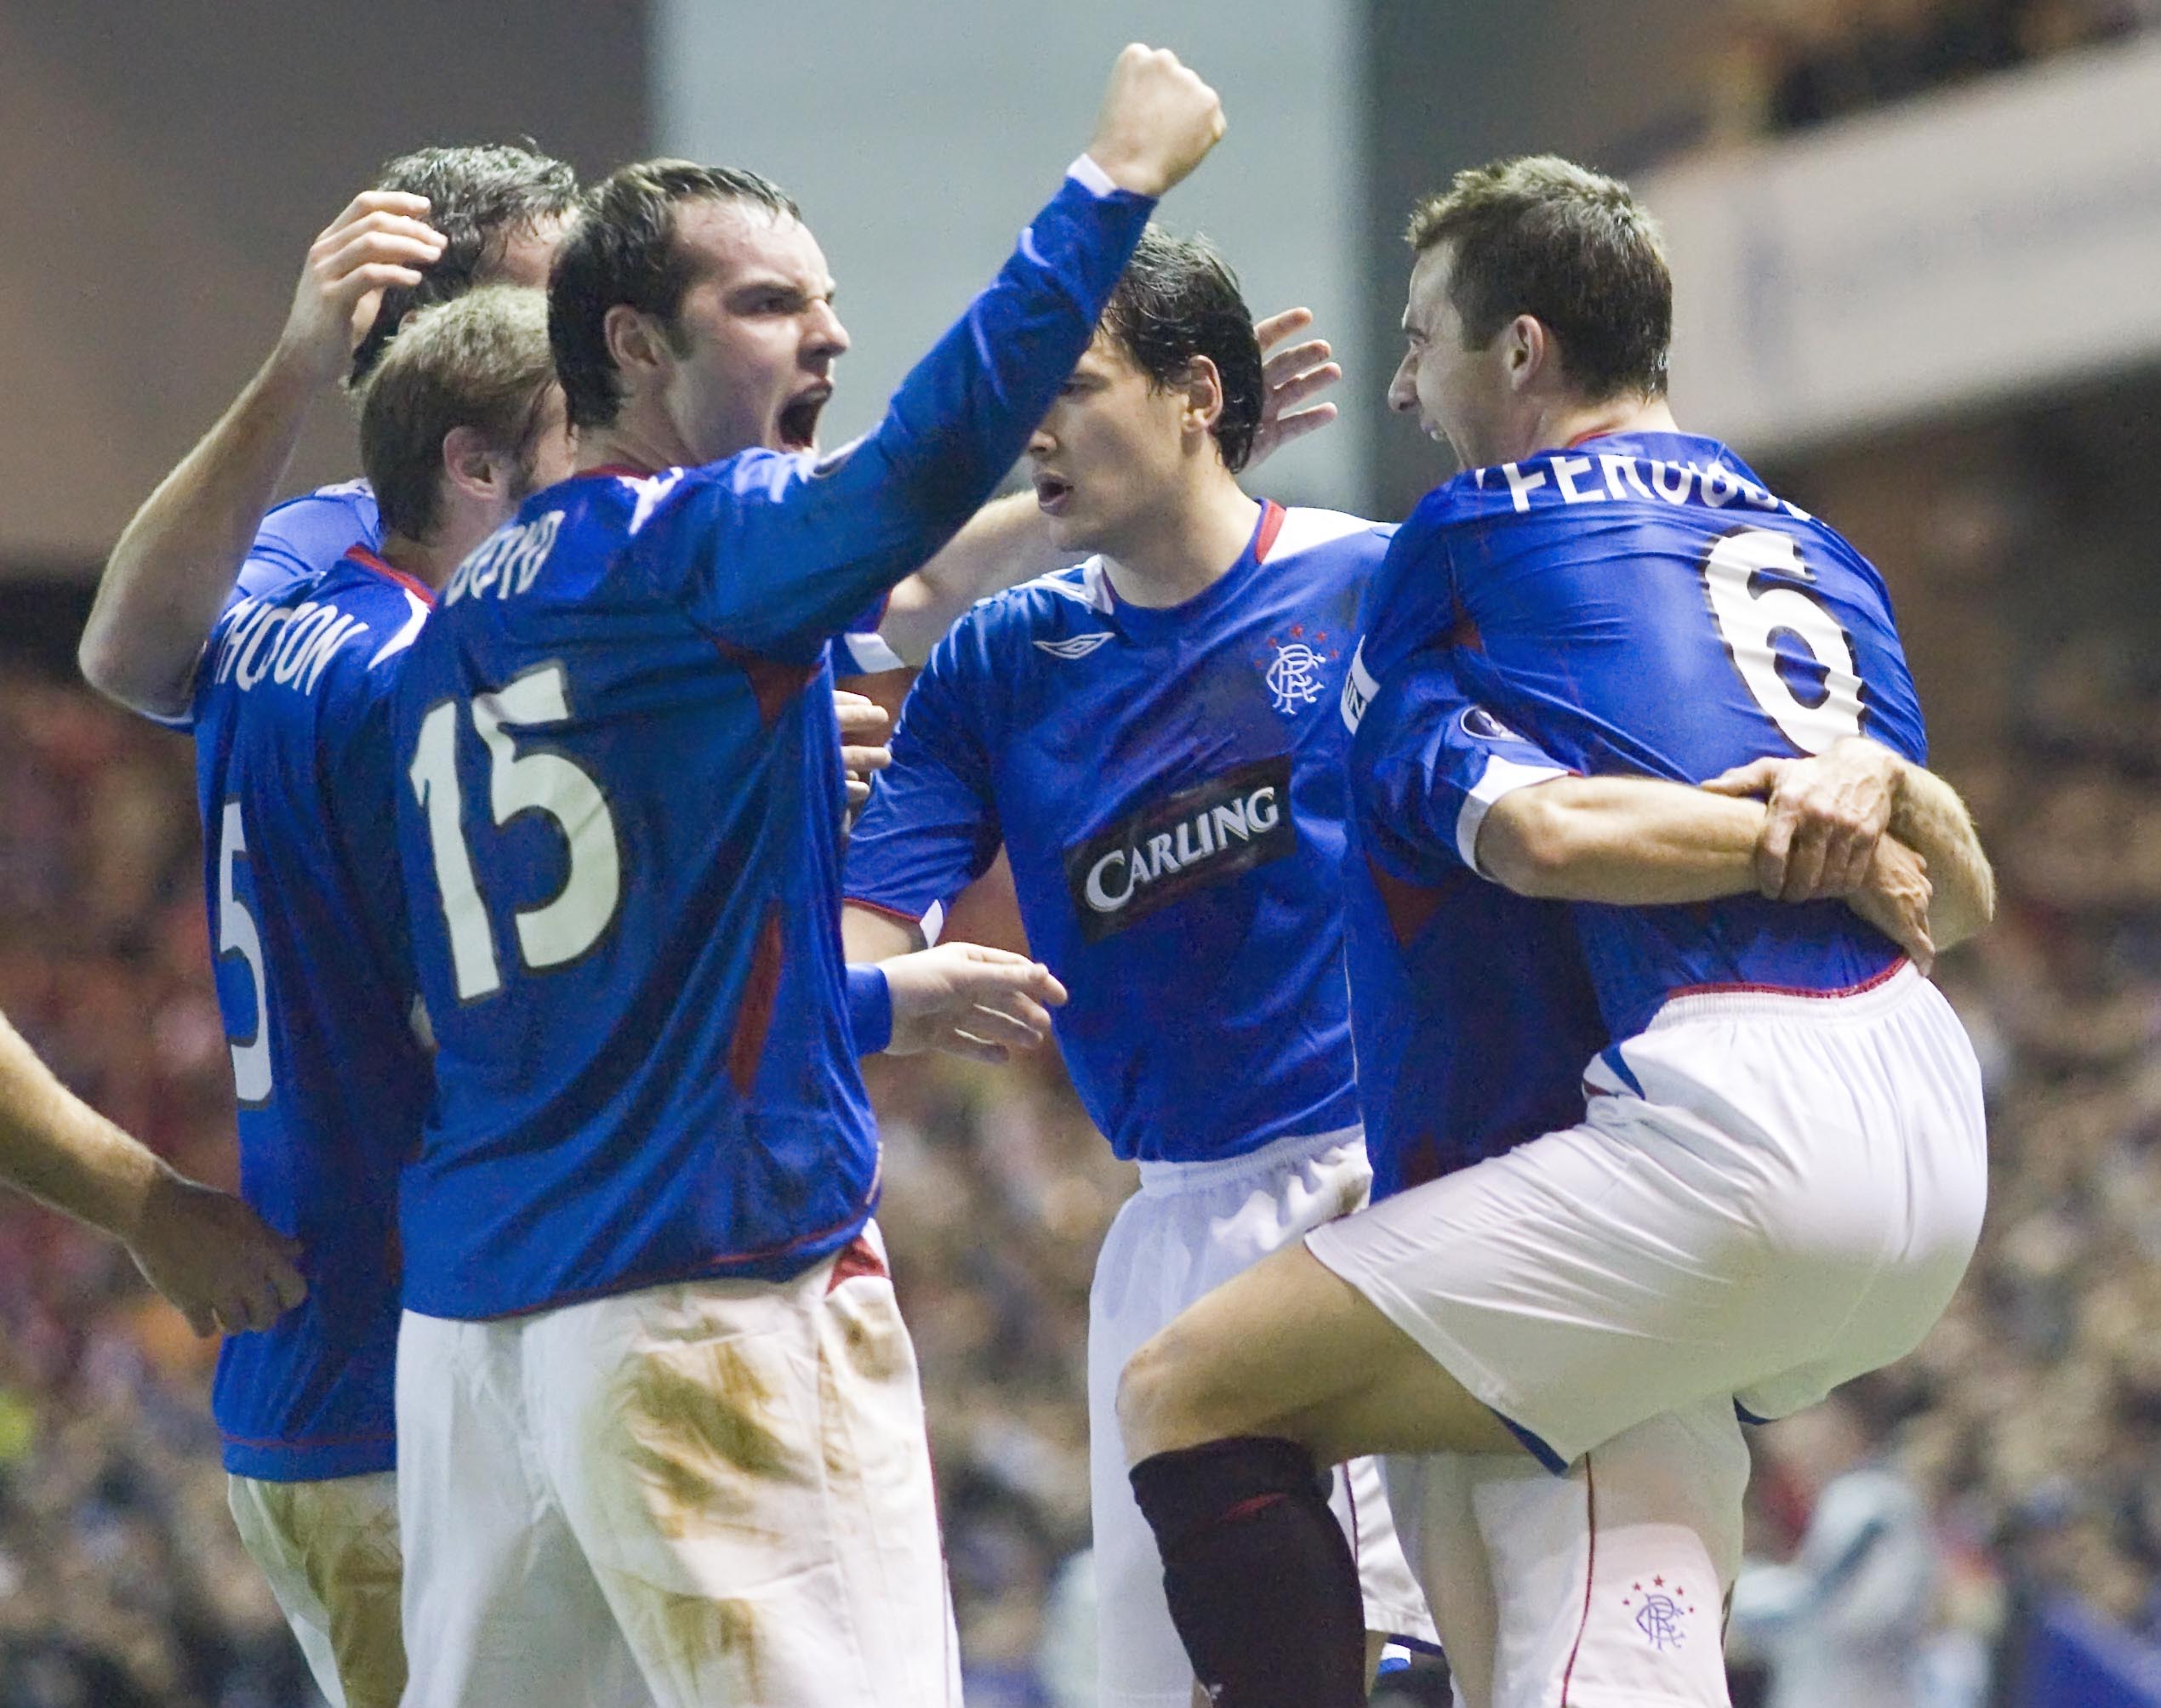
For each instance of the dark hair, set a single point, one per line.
(1178, 300)
(624, 250)
(479, 361)
(481, 197)
(1542, 237)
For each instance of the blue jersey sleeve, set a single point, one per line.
(1411, 601)
(861, 651)
(305, 536)
(1429, 765)
(774, 552)
(931, 827)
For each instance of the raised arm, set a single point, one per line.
(174, 566)
(206, 1251)
(874, 511)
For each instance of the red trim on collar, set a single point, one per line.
(1586, 438)
(1271, 526)
(412, 585)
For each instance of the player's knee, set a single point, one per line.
(1152, 1401)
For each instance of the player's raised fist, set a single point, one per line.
(1158, 121)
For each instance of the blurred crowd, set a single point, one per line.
(2027, 1428)
(1780, 65)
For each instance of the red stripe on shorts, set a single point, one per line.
(1590, 1573)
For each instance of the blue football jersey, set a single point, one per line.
(1472, 1007)
(1169, 788)
(308, 534)
(294, 778)
(1646, 605)
(620, 823)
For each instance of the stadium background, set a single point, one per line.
(1915, 243)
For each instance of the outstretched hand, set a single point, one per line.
(1290, 377)
(965, 1000)
(382, 239)
(214, 1260)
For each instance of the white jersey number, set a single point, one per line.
(1747, 620)
(237, 935)
(559, 930)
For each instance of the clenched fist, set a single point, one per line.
(1158, 122)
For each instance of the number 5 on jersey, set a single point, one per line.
(557, 930)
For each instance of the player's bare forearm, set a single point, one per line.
(174, 566)
(1005, 542)
(869, 935)
(1930, 818)
(1622, 840)
(210, 1255)
(57, 1149)
(175, 563)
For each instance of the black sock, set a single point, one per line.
(1261, 1583)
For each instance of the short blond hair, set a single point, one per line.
(480, 361)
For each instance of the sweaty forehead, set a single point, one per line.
(726, 240)
(1429, 307)
(527, 254)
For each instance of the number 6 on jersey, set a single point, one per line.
(1748, 619)
(557, 931)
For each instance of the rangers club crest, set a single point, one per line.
(1294, 675)
(1659, 1613)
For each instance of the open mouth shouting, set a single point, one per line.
(798, 420)
(1053, 492)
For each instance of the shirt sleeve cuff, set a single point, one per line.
(1085, 172)
(870, 1007)
(1501, 778)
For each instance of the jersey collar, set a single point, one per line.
(1151, 622)
(370, 561)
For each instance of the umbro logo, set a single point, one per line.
(1075, 646)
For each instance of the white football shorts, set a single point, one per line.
(1189, 1228)
(1771, 1193)
(1606, 1588)
(330, 1547)
(707, 1491)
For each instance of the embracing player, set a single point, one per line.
(1779, 1176)
(1152, 736)
(461, 419)
(290, 715)
(659, 1418)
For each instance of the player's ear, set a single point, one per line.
(469, 464)
(635, 341)
(1526, 350)
(1204, 395)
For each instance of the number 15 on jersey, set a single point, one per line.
(564, 927)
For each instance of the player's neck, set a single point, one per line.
(431, 564)
(1563, 425)
(1189, 548)
(633, 439)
